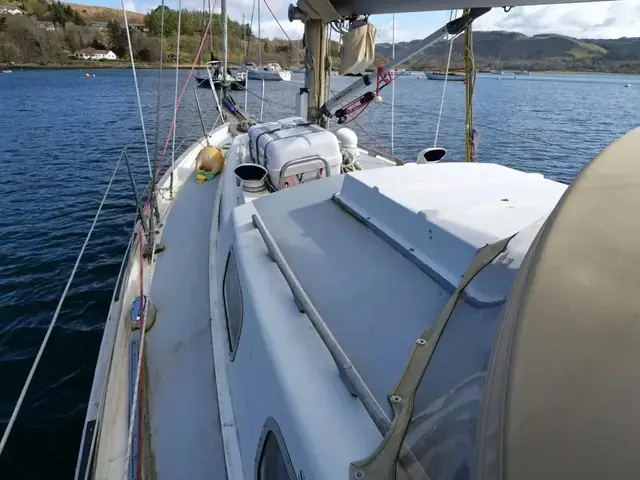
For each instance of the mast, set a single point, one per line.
(315, 35)
(259, 38)
(244, 39)
(469, 73)
(223, 12)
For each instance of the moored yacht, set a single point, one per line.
(270, 71)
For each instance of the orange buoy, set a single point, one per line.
(210, 159)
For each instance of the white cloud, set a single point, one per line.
(583, 20)
(130, 6)
(402, 33)
(270, 29)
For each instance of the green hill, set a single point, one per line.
(515, 51)
(25, 40)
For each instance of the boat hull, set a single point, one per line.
(203, 81)
(442, 76)
(256, 74)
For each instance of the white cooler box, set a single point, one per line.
(274, 144)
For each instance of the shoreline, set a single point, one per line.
(94, 66)
(152, 66)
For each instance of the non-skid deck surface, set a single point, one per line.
(374, 300)
(185, 427)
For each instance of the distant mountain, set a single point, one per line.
(517, 51)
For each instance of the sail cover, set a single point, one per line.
(330, 10)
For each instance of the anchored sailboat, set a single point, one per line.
(322, 310)
(272, 71)
(214, 75)
(498, 70)
(451, 77)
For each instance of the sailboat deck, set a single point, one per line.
(374, 300)
(182, 398)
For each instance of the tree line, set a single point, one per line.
(55, 12)
(192, 22)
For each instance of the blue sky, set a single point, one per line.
(594, 20)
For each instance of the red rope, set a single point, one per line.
(372, 138)
(384, 78)
(140, 383)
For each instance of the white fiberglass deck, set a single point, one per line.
(359, 272)
(182, 398)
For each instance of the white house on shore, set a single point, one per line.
(48, 26)
(93, 54)
(10, 10)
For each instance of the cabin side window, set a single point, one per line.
(273, 460)
(232, 297)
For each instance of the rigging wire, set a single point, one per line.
(264, 99)
(135, 81)
(253, 9)
(54, 319)
(285, 33)
(186, 84)
(444, 87)
(330, 69)
(393, 84)
(133, 414)
(158, 98)
(175, 102)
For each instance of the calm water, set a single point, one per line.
(60, 137)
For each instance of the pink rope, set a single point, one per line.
(160, 161)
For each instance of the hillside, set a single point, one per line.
(24, 40)
(104, 14)
(516, 51)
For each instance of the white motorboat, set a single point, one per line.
(214, 71)
(271, 71)
(451, 76)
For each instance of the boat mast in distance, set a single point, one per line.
(225, 65)
(259, 38)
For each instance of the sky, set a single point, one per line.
(581, 20)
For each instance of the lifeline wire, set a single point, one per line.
(135, 81)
